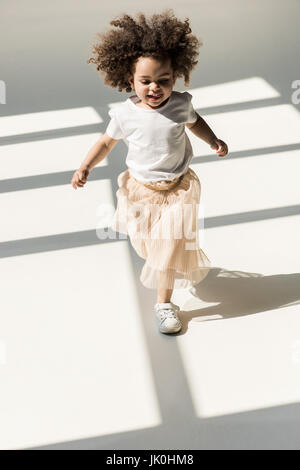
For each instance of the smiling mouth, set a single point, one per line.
(154, 98)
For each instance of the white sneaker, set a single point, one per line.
(166, 314)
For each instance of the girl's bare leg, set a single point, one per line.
(163, 294)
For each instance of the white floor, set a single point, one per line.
(82, 364)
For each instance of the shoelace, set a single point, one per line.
(167, 313)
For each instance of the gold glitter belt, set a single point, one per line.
(161, 185)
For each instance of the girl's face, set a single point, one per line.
(152, 81)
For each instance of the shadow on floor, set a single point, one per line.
(240, 293)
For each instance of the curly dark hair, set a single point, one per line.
(162, 37)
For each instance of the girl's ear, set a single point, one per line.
(130, 80)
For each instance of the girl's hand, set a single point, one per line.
(220, 147)
(80, 177)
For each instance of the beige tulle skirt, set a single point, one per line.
(161, 220)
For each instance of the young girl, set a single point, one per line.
(159, 194)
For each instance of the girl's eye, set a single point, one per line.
(146, 82)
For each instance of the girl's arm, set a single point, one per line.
(95, 155)
(98, 152)
(202, 130)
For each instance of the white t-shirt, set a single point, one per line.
(158, 146)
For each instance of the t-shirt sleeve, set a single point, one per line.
(191, 113)
(114, 129)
